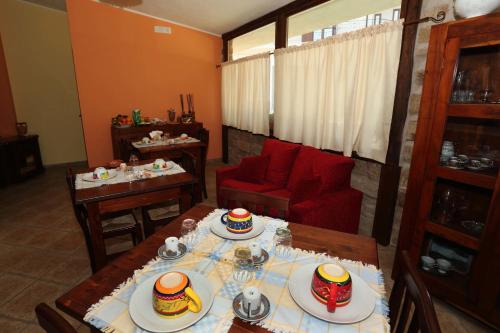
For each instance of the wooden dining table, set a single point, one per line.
(129, 195)
(174, 151)
(78, 300)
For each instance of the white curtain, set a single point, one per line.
(245, 94)
(338, 93)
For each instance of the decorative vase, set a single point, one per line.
(471, 8)
(22, 128)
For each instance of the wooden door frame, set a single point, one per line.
(390, 174)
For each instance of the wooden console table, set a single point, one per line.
(122, 137)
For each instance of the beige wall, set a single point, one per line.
(39, 60)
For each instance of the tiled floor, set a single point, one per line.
(42, 253)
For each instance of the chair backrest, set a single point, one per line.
(51, 321)
(258, 203)
(80, 214)
(203, 135)
(409, 292)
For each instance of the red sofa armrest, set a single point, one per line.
(338, 211)
(222, 174)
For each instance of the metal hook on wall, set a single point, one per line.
(441, 15)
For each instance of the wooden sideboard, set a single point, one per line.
(19, 158)
(121, 137)
(452, 205)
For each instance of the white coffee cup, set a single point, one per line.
(251, 300)
(255, 249)
(172, 244)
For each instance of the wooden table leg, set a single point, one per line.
(96, 235)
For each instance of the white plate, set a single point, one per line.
(89, 177)
(141, 305)
(362, 300)
(149, 167)
(220, 229)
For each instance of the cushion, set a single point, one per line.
(306, 189)
(303, 166)
(334, 170)
(241, 185)
(253, 169)
(281, 157)
(283, 193)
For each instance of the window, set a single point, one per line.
(257, 41)
(339, 16)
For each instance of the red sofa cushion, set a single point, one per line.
(253, 169)
(241, 185)
(306, 189)
(281, 158)
(334, 170)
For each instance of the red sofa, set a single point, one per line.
(317, 184)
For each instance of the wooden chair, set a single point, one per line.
(51, 321)
(114, 224)
(163, 213)
(258, 203)
(410, 290)
(203, 136)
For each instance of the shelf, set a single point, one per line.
(453, 235)
(484, 179)
(482, 111)
(444, 285)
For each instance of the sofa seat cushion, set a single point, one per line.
(281, 158)
(246, 186)
(253, 169)
(282, 193)
(306, 189)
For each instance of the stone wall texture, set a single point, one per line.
(365, 176)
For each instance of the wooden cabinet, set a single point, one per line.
(452, 207)
(19, 158)
(122, 137)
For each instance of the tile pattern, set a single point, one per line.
(43, 254)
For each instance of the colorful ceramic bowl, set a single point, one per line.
(173, 296)
(238, 221)
(100, 173)
(331, 285)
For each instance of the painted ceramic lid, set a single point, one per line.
(333, 273)
(171, 283)
(239, 214)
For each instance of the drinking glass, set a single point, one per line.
(133, 160)
(242, 265)
(283, 241)
(129, 174)
(187, 232)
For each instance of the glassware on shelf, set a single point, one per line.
(485, 94)
(447, 207)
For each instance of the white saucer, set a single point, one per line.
(141, 305)
(89, 177)
(362, 300)
(220, 229)
(149, 167)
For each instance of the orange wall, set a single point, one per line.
(121, 64)
(7, 111)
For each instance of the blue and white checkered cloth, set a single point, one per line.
(212, 257)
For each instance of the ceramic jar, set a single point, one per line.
(472, 8)
(332, 286)
(238, 221)
(173, 295)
